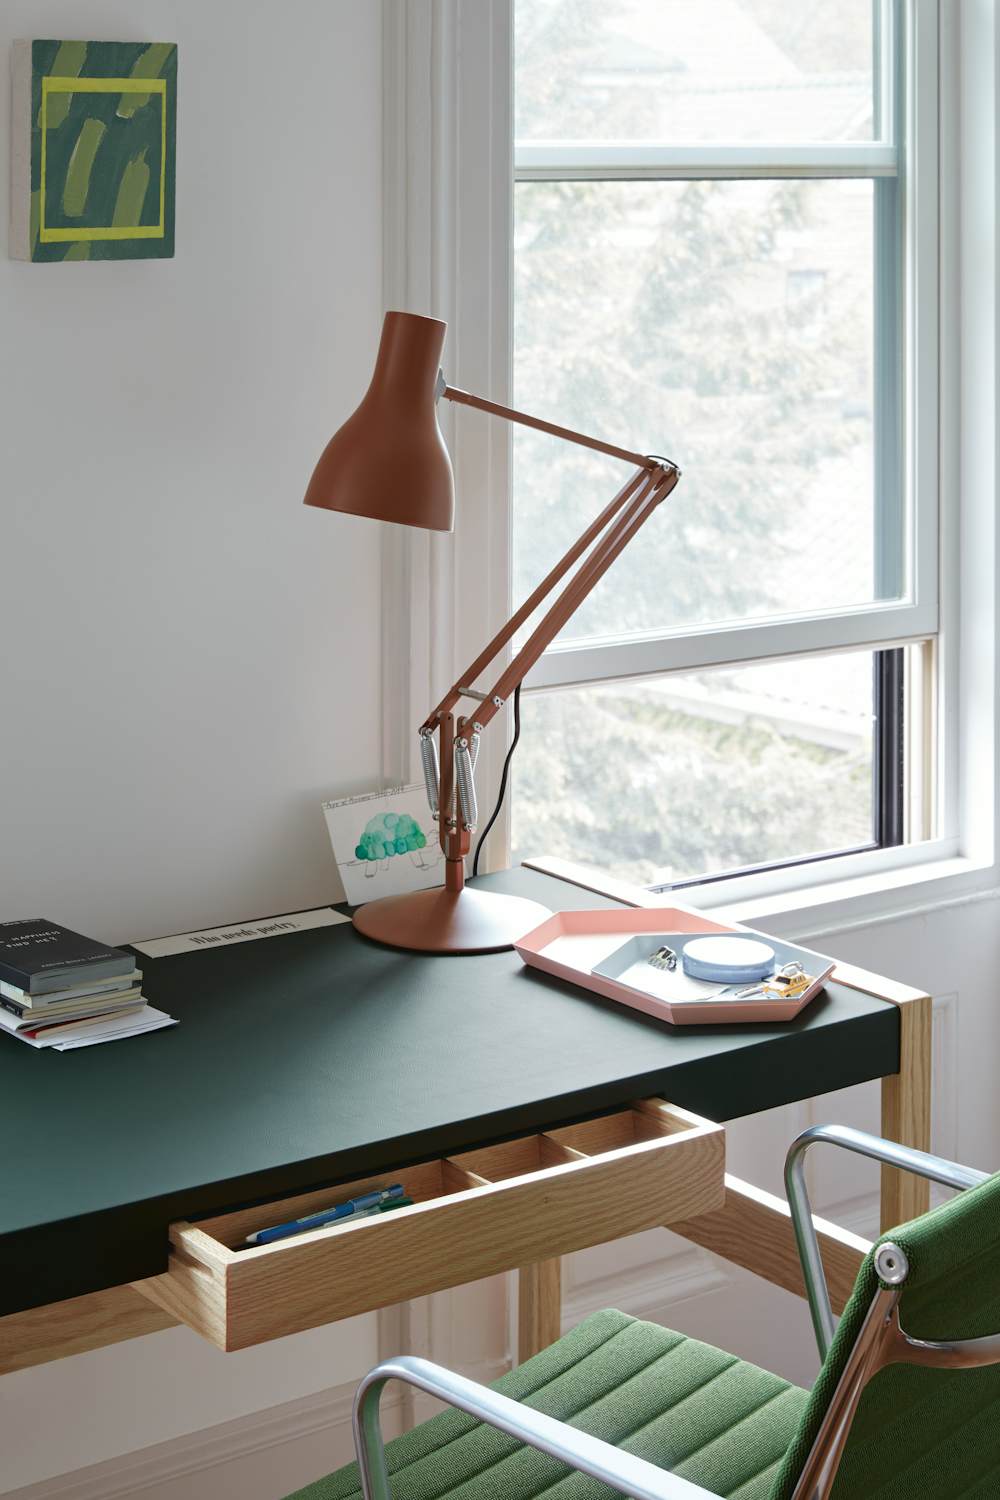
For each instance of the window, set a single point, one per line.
(716, 258)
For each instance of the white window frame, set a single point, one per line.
(449, 173)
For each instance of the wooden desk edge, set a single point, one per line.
(78, 1325)
(754, 1230)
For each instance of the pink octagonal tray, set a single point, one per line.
(570, 943)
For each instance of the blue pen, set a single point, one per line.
(326, 1215)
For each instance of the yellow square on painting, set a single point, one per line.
(78, 179)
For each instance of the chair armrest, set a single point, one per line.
(892, 1154)
(587, 1454)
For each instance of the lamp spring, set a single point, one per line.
(432, 773)
(465, 767)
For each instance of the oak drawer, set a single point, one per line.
(473, 1215)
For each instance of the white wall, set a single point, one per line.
(182, 637)
(190, 657)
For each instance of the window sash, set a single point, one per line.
(906, 302)
(575, 663)
(596, 161)
(561, 159)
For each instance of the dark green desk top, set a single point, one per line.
(319, 1057)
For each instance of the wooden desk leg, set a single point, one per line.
(906, 1112)
(539, 1307)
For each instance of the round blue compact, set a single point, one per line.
(728, 959)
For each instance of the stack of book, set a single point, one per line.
(60, 989)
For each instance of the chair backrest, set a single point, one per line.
(920, 1431)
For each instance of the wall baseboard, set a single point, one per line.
(247, 1457)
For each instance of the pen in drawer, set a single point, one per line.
(373, 1202)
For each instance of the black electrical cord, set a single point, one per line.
(503, 779)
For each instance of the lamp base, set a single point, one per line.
(443, 921)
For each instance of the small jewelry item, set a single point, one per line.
(663, 958)
(790, 981)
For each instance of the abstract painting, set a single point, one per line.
(94, 147)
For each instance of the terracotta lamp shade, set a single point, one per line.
(389, 461)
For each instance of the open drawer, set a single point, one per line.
(473, 1215)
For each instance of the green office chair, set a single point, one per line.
(907, 1401)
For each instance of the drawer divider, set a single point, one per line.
(566, 1153)
(461, 1176)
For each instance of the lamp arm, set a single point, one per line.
(456, 736)
(607, 536)
(507, 632)
(467, 398)
(658, 486)
(646, 465)
(653, 488)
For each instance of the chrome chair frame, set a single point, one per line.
(880, 1342)
(906, 1158)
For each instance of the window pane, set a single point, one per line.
(687, 775)
(679, 71)
(728, 325)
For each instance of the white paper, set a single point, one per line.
(149, 1019)
(389, 867)
(107, 1029)
(241, 932)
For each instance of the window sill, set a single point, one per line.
(933, 876)
(862, 900)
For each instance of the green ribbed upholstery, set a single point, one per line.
(739, 1431)
(706, 1415)
(932, 1433)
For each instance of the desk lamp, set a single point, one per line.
(389, 462)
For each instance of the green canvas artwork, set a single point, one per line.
(94, 150)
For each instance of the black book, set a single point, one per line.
(39, 956)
